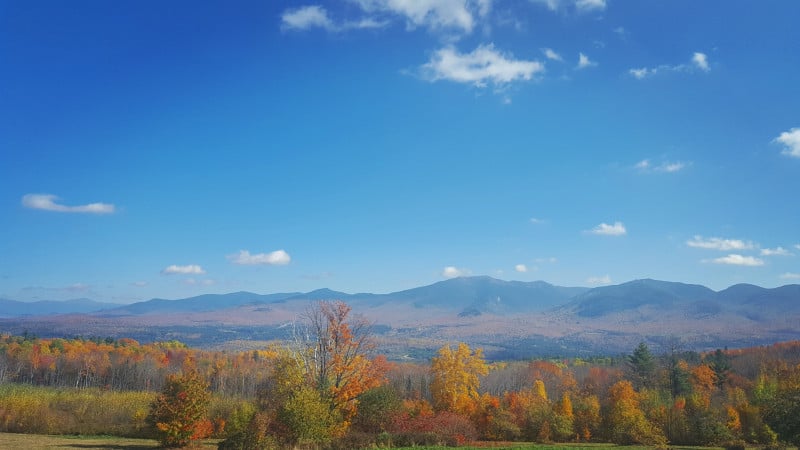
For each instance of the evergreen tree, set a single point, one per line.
(642, 366)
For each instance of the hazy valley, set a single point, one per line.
(509, 319)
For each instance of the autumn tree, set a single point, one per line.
(336, 351)
(627, 423)
(180, 412)
(456, 378)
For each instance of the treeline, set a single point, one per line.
(125, 365)
(330, 389)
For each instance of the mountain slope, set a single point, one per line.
(485, 294)
(206, 302)
(12, 308)
(608, 300)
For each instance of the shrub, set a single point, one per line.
(180, 412)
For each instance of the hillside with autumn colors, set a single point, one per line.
(284, 395)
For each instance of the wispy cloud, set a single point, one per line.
(599, 281)
(579, 5)
(48, 202)
(276, 258)
(738, 260)
(588, 5)
(699, 61)
(584, 62)
(433, 14)
(191, 269)
(604, 229)
(721, 244)
(521, 268)
(306, 17)
(791, 142)
(647, 166)
(139, 283)
(778, 251)
(790, 276)
(537, 221)
(314, 16)
(454, 272)
(194, 282)
(482, 66)
(550, 54)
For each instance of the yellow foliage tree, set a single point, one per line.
(455, 382)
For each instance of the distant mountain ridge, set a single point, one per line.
(13, 308)
(509, 319)
(464, 295)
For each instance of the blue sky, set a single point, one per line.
(152, 149)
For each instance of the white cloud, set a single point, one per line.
(642, 73)
(521, 268)
(549, 53)
(604, 229)
(480, 67)
(586, 5)
(700, 60)
(715, 243)
(584, 61)
(671, 167)
(183, 270)
(598, 281)
(790, 276)
(276, 258)
(537, 221)
(314, 16)
(647, 166)
(580, 5)
(739, 260)
(47, 202)
(778, 251)
(193, 282)
(307, 17)
(791, 141)
(552, 5)
(797, 246)
(454, 272)
(434, 14)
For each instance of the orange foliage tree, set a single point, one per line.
(180, 412)
(337, 356)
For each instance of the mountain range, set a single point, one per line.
(509, 317)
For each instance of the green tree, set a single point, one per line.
(376, 407)
(309, 417)
(179, 413)
(642, 366)
(720, 363)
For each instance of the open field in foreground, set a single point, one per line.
(37, 441)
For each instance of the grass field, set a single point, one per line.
(37, 441)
